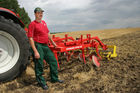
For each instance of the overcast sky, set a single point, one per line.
(76, 15)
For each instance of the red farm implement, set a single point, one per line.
(89, 47)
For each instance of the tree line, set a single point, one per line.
(15, 7)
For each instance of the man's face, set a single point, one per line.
(39, 15)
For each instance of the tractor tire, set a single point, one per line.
(14, 50)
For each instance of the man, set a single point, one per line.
(39, 35)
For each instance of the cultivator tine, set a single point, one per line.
(83, 55)
(55, 54)
(95, 61)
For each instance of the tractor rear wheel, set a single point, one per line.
(14, 50)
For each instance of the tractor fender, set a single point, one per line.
(8, 14)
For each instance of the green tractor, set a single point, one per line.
(14, 46)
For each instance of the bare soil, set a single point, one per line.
(118, 75)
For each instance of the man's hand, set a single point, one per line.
(55, 46)
(49, 36)
(37, 55)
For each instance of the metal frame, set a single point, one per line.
(89, 43)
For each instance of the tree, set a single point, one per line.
(15, 7)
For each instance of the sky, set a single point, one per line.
(82, 15)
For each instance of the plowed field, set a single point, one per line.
(118, 75)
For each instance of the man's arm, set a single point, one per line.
(31, 41)
(49, 36)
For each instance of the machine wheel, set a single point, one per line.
(14, 50)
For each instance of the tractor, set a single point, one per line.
(14, 46)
